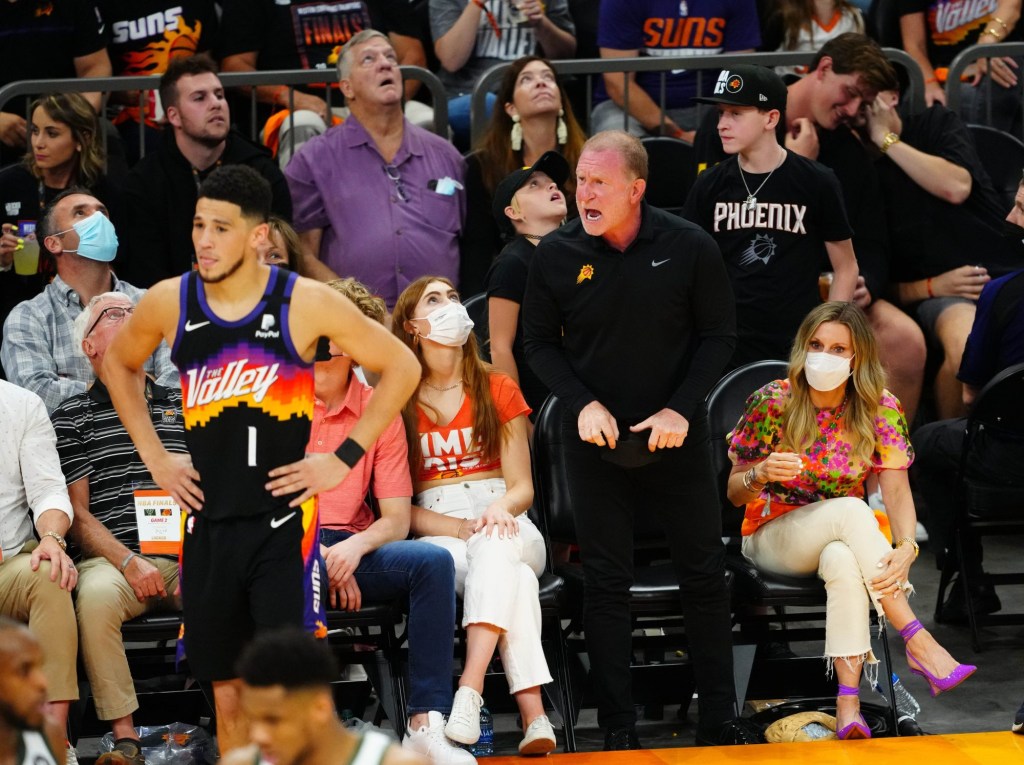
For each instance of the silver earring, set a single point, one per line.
(561, 132)
(517, 133)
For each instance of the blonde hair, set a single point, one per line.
(73, 110)
(372, 306)
(476, 380)
(799, 415)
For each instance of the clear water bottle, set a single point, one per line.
(906, 705)
(484, 747)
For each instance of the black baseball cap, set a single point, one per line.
(748, 85)
(551, 163)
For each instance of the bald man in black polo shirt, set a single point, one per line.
(649, 324)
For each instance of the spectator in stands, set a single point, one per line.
(774, 215)
(821, 107)
(802, 25)
(117, 581)
(805, 509)
(289, 705)
(535, 117)
(995, 343)
(282, 247)
(529, 203)
(579, 281)
(371, 558)
(67, 150)
(935, 31)
(661, 28)
(470, 455)
(145, 37)
(471, 36)
(945, 224)
(69, 39)
(377, 198)
(27, 733)
(267, 35)
(161, 190)
(39, 352)
(36, 573)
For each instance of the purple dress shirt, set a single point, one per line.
(386, 225)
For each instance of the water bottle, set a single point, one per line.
(906, 705)
(484, 747)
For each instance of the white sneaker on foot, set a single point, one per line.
(464, 721)
(430, 741)
(539, 737)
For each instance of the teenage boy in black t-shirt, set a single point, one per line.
(774, 215)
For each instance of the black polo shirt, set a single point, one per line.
(638, 331)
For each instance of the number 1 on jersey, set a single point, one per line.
(252, 446)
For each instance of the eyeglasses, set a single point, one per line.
(392, 172)
(114, 313)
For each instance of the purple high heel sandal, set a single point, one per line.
(935, 684)
(859, 727)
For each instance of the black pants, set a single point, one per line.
(933, 475)
(680, 491)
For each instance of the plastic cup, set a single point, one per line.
(825, 285)
(26, 257)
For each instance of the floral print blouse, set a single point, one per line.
(831, 469)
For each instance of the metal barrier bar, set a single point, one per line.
(913, 96)
(289, 77)
(967, 57)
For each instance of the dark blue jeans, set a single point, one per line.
(425, 574)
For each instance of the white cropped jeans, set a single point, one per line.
(838, 539)
(497, 578)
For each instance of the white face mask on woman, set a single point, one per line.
(826, 371)
(449, 325)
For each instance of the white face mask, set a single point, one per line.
(826, 371)
(449, 325)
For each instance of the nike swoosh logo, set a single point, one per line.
(189, 326)
(656, 263)
(276, 523)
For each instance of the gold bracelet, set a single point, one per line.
(1001, 23)
(888, 141)
(913, 543)
(750, 482)
(992, 32)
(59, 538)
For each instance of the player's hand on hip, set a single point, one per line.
(597, 426)
(309, 476)
(668, 429)
(175, 474)
(145, 579)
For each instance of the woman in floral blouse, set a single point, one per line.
(800, 455)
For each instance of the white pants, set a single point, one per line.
(496, 577)
(838, 539)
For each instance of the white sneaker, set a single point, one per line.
(539, 737)
(430, 741)
(464, 721)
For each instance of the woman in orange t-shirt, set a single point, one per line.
(470, 458)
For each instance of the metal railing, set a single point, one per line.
(290, 78)
(913, 95)
(967, 57)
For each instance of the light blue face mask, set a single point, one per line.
(97, 239)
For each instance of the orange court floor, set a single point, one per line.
(951, 749)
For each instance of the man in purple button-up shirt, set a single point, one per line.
(377, 198)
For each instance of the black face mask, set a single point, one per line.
(1012, 231)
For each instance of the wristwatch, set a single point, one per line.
(888, 141)
(60, 540)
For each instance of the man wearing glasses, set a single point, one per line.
(377, 198)
(116, 582)
(39, 352)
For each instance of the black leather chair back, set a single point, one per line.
(1002, 156)
(672, 171)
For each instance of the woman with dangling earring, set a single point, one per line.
(532, 116)
(470, 461)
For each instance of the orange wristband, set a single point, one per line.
(929, 285)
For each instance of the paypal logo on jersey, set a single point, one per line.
(233, 381)
(266, 324)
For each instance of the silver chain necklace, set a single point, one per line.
(445, 389)
(751, 201)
